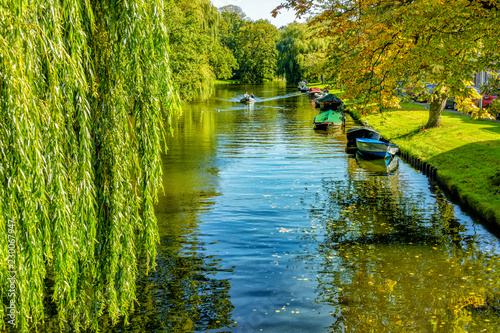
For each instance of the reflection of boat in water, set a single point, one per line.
(366, 132)
(330, 131)
(327, 120)
(247, 100)
(377, 165)
(376, 148)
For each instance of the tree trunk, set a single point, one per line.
(438, 102)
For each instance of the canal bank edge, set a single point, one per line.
(490, 216)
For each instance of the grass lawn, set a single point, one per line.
(465, 152)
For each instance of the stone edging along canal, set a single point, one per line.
(432, 173)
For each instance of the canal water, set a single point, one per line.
(267, 225)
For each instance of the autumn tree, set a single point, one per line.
(383, 44)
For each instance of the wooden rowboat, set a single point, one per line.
(376, 148)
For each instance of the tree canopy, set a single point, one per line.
(256, 51)
(197, 57)
(301, 55)
(382, 44)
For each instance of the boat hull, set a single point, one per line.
(329, 105)
(376, 148)
(315, 93)
(329, 102)
(377, 165)
(359, 132)
(247, 100)
(328, 119)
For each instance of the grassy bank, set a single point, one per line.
(465, 152)
(220, 81)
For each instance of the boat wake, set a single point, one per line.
(295, 94)
(260, 100)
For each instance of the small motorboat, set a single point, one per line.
(328, 119)
(302, 86)
(366, 132)
(376, 148)
(247, 100)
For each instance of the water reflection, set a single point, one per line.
(394, 259)
(377, 165)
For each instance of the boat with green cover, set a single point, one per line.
(328, 119)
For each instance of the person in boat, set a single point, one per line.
(252, 96)
(326, 89)
(246, 95)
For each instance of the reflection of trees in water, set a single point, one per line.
(395, 259)
(377, 210)
(185, 293)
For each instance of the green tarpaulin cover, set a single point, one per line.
(329, 117)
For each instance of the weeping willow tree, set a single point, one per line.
(300, 56)
(196, 54)
(85, 95)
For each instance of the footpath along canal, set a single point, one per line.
(267, 225)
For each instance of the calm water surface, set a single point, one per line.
(267, 225)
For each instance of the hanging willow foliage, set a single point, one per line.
(85, 91)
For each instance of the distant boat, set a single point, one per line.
(376, 148)
(247, 100)
(328, 119)
(366, 132)
(315, 92)
(330, 102)
(377, 165)
(302, 86)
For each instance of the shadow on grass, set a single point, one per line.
(470, 173)
(407, 135)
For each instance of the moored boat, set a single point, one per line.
(376, 148)
(328, 119)
(315, 92)
(366, 132)
(330, 102)
(302, 86)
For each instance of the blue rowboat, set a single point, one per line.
(376, 148)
